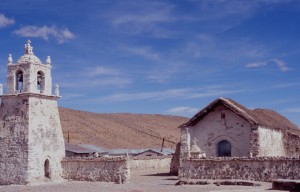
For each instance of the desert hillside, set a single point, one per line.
(121, 130)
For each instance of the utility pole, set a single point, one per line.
(162, 145)
(68, 136)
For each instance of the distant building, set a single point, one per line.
(140, 152)
(31, 139)
(94, 148)
(226, 128)
(88, 150)
(156, 152)
(83, 150)
(77, 151)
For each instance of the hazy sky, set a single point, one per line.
(166, 57)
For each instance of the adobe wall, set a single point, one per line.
(258, 169)
(150, 163)
(270, 142)
(104, 169)
(213, 128)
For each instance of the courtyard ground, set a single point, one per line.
(141, 181)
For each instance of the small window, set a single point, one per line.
(222, 115)
(224, 149)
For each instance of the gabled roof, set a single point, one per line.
(261, 117)
(165, 151)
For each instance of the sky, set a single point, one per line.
(170, 57)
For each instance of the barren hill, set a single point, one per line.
(121, 130)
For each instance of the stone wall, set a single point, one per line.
(150, 163)
(258, 169)
(14, 122)
(104, 169)
(185, 143)
(292, 145)
(175, 161)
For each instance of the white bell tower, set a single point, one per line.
(31, 139)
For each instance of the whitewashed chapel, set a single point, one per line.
(31, 139)
(226, 128)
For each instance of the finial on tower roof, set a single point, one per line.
(48, 60)
(28, 48)
(10, 60)
(1, 89)
(56, 89)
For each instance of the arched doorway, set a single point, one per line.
(47, 168)
(224, 149)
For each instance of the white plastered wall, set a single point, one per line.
(270, 142)
(45, 139)
(212, 129)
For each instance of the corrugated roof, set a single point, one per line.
(166, 151)
(76, 148)
(93, 148)
(89, 148)
(262, 117)
(125, 151)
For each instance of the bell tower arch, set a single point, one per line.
(35, 78)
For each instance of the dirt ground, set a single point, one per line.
(141, 181)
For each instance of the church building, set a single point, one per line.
(225, 128)
(31, 138)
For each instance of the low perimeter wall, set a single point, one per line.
(150, 163)
(257, 169)
(108, 169)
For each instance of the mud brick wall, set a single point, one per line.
(150, 163)
(258, 169)
(114, 169)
